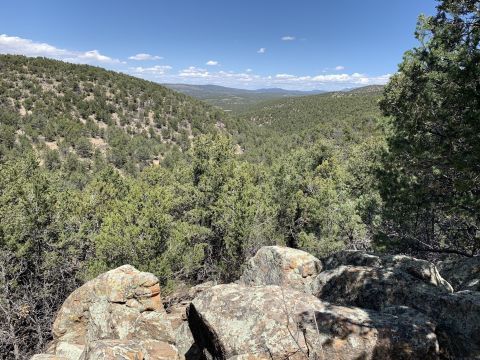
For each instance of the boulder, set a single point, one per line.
(177, 302)
(420, 269)
(369, 287)
(405, 282)
(120, 308)
(283, 266)
(185, 343)
(237, 322)
(457, 317)
(463, 274)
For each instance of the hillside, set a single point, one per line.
(86, 110)
(235, 100)
(279, 126)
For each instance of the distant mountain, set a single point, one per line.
(236, 100)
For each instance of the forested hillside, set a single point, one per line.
(278, 126)
(65, 110)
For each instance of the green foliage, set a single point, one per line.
(431, 182)
(79, 105)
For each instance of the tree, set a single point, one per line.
(430, 183)
(38, 261)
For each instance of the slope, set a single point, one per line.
(86, 110)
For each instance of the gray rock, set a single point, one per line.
(237, 322)
(405, 284)
(130, 349)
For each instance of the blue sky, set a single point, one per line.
(303, 44)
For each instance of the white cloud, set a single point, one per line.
(143, 57)
(249, 70)
(248, 79)
(339, 67)
(19, 46)
(194, 72)
(288, 38)
(156, 71)
(211, 63)
(284, 76)
(262, 50)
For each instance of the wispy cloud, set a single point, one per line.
(211, 63)
(339, 68)
(288, 38)
(20, 46)
(144, 57)
(262, 50)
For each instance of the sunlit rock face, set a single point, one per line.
(264, 322)
(119, 314)
(283, 266)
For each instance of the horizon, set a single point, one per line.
(250, 46)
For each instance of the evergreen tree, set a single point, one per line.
(431, 182)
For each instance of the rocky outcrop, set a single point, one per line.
(463, 274)
(270, 322)
(287, 304)
(404, 281)
(119, 313)
(276, 265)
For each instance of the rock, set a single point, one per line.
(122, 306)
(350, 257)
(185, 343)
(176, 306)
(237, 322)
(114, 349)
(373, 288)
(463, 274)
(421, 269)
(283, 266)
(458, 320)
(405, 283)
(47, 357)
(176, 303)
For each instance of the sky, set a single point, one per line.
(302, 44)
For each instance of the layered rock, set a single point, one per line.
(119, 312)
(283, 266)
(237, 322)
